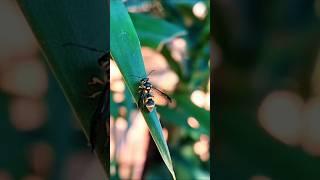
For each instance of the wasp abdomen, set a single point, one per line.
(150, 104)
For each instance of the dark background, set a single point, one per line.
(40, 138)
(266, 87)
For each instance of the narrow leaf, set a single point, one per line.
(126, 51)
(155, 32)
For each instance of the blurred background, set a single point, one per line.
(39, 136)
(182, 71)
(266, 93)
(41, 139)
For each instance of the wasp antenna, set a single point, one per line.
(83, 46)
(151, 72)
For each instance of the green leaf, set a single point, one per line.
(155, 32)
(78, 21)
(138, 4)
(187, 3)
(126, 51)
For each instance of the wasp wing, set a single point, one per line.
(160, 97)
(99, 123)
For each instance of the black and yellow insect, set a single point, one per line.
(99, 119)
(147, 92)
(102, 113)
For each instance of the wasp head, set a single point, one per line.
(144, 80)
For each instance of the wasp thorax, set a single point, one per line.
(148, 85)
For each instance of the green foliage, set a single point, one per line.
(156, 30)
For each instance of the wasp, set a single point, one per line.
(147, 93)
(101, 114)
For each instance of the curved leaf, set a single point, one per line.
(157, 34)
(126, 51)
(78, 21)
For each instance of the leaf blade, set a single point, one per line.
(126, 51)
(73, 67)
(155, 36)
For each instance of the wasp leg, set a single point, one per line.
(93, 132)
(94, 124)
(96, 94)
(95, 81)
(141, 100)
(98, 122)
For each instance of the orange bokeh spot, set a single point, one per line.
(280, 115)
(200, 10)
(27, 114)
(25, 79)
(311, 133)
(193, 122)
(41, 158)
(198, 98)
